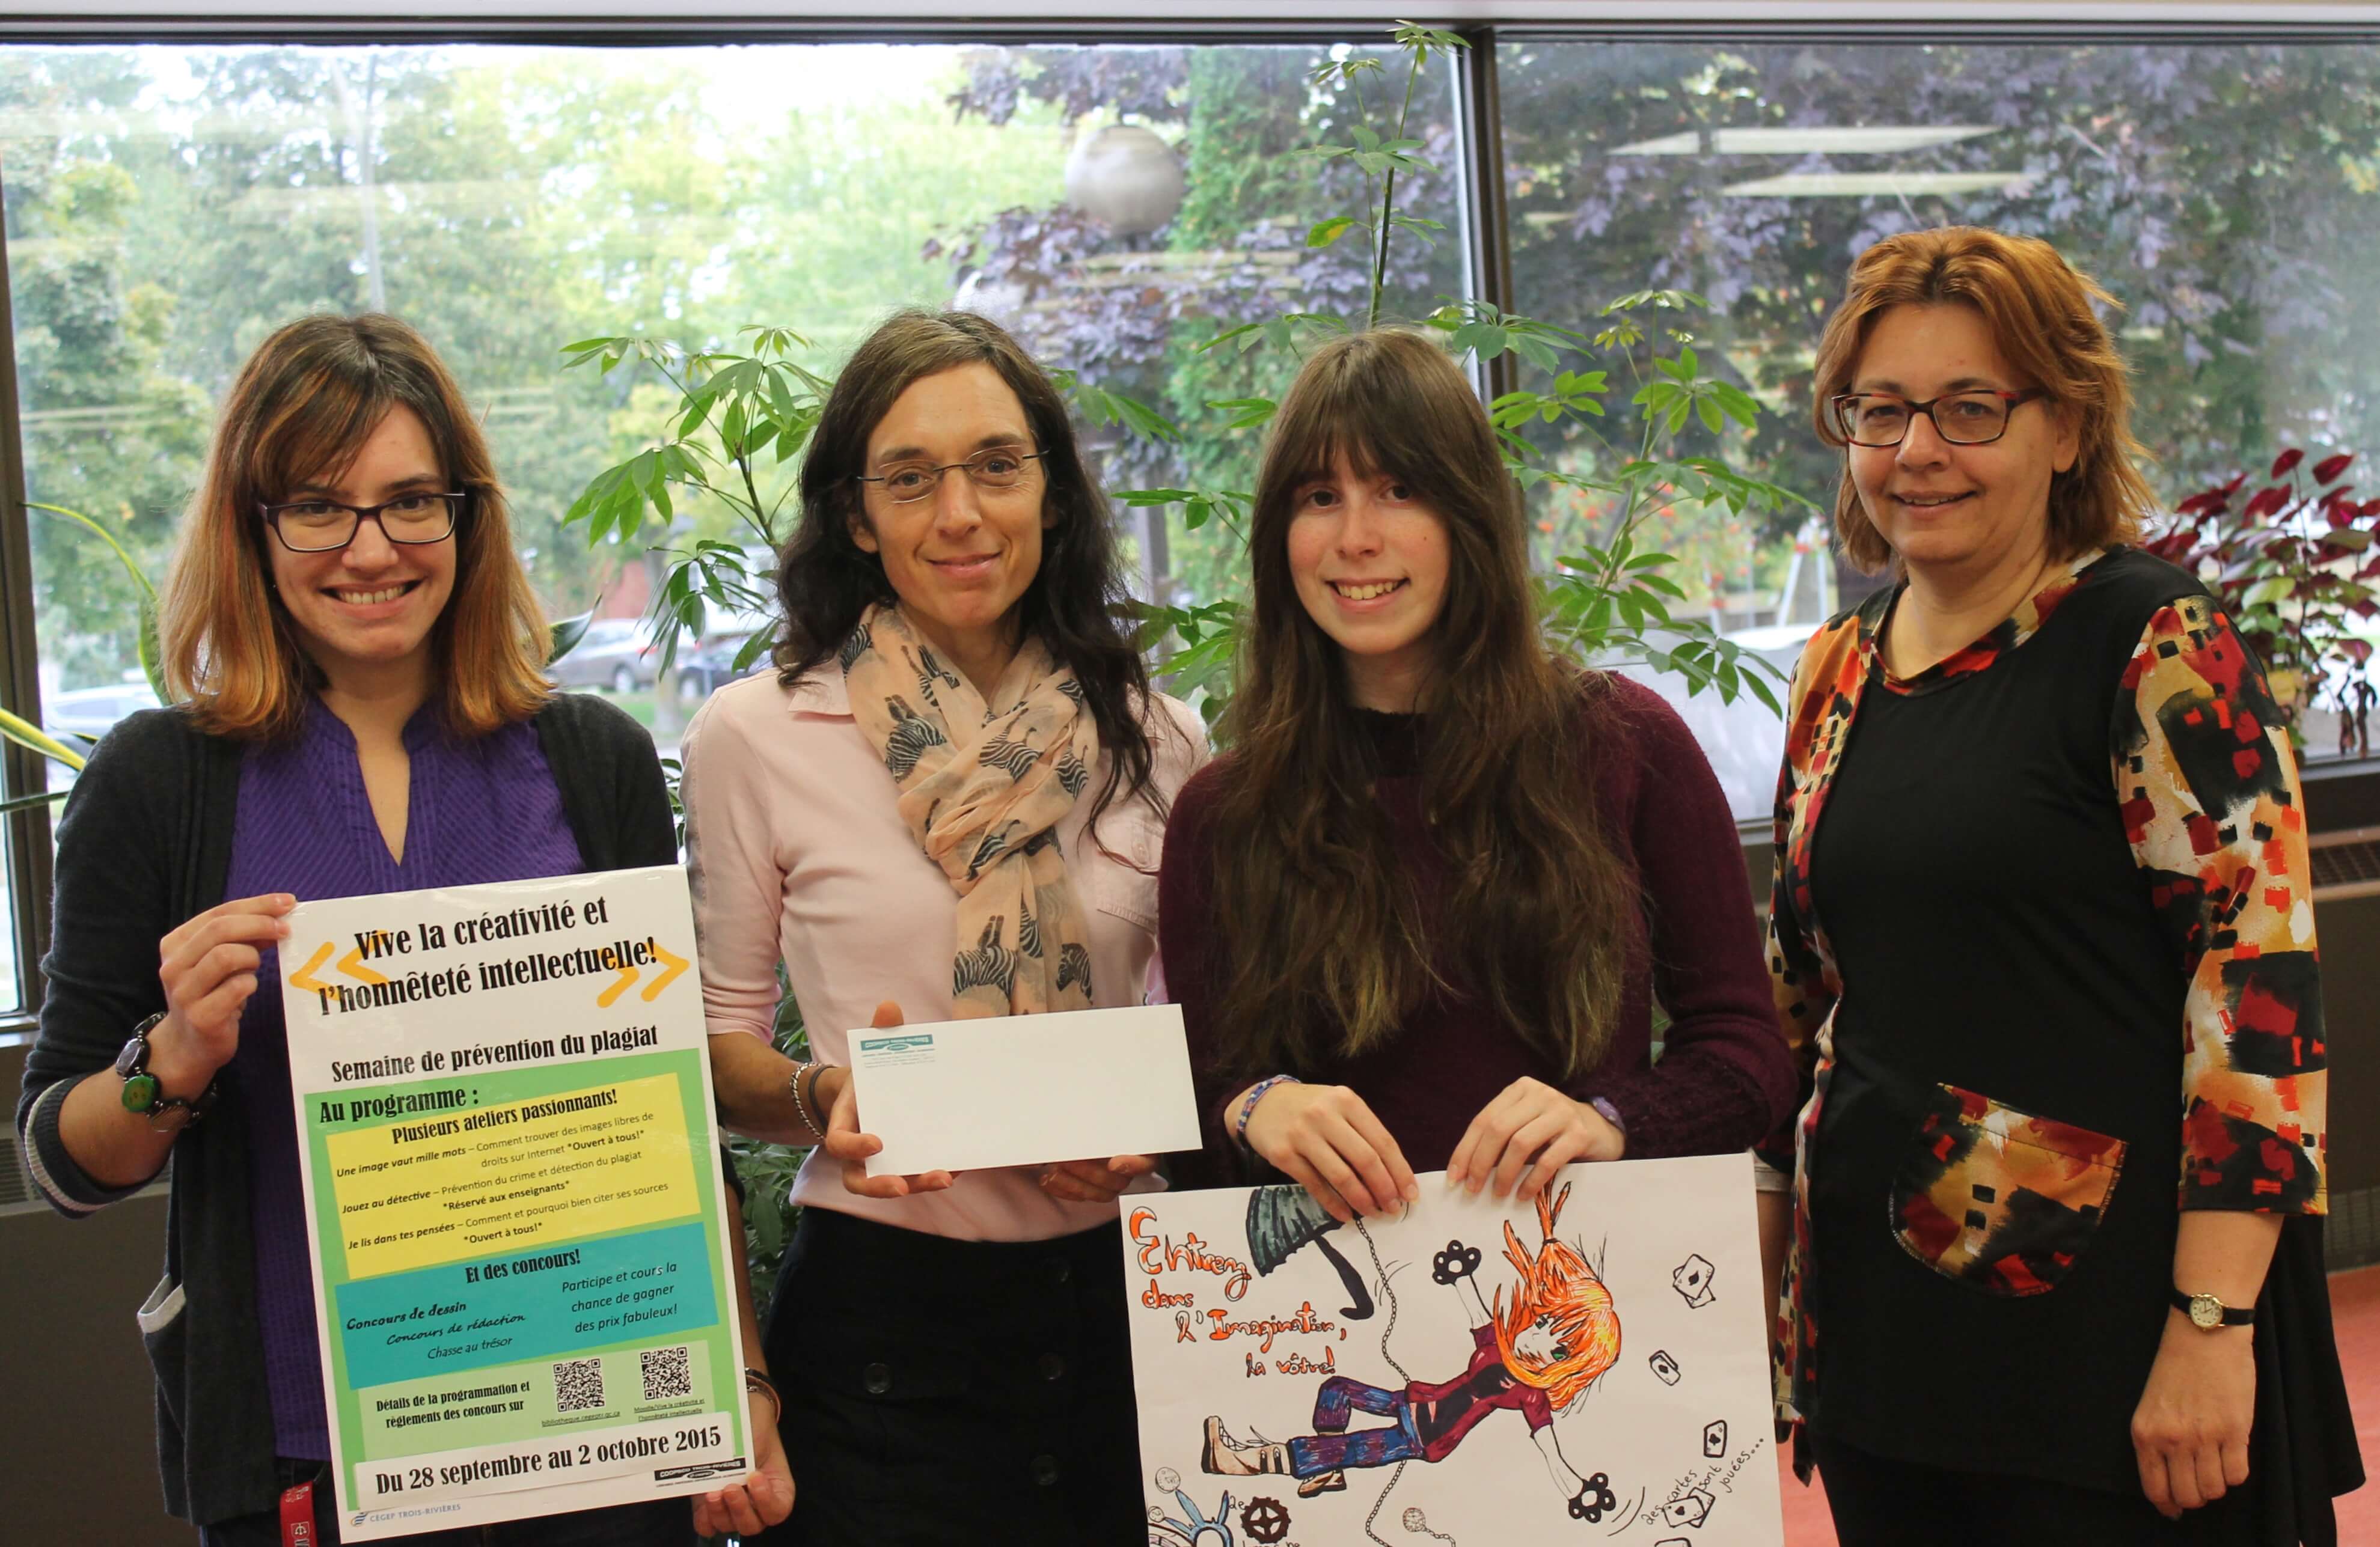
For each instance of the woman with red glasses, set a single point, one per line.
(2042, 933)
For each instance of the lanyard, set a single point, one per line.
(298, 1516)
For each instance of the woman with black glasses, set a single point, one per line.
(946, 801)
(358, 663)
(2043, 933)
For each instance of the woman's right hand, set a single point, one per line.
(1324, 1137)
(848, 1145)
(208, 968)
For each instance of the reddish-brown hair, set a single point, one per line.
(2040, 313)
(302, 408)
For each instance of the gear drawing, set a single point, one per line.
(1265, 1520)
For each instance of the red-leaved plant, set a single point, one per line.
(2294, 566)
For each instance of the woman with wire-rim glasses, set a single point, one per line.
(2042, 933)
(946, 801)
(357, 662)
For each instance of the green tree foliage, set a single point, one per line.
(164, 216)
(2227, 194)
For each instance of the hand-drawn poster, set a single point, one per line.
(1590, 1368)
(522, 1283)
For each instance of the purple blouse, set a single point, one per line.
(483, 810)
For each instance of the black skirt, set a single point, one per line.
(934, 1387)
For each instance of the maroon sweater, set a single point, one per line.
(1724, 1079)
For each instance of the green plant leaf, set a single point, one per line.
(1325, 232)
(1484, 339)
(1247, 413)
(562, 635)
(25, 734)
(1241, 332)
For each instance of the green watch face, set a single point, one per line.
(141, 1093)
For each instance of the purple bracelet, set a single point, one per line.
(1248, 1103)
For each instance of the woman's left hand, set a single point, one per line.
(1534, 1129)
(2190, 1434)
(1095, 1181)
(762, 1500)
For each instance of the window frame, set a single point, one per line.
(1477, 113)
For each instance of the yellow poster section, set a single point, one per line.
(512, 1178)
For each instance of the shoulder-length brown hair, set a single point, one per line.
(2039, 310)
(1321, 934)
(1075, 601)
(302, 408)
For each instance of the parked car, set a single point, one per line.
(705, 667)
(619, 653)
(90, 711)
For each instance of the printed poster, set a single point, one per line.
(524, 1283)
(1593, 1368)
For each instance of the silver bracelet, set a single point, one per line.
(802, 1109)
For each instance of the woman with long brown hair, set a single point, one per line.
(359, 664)
(1418, 916)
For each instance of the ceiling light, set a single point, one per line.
(1814, 140)
(1876, 184)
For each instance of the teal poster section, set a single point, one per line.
(434, 1321)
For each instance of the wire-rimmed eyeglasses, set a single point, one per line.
(1000, 467)
(326, 526)
(1975, 418)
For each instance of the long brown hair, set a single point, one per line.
(303, 405)
(1319, 922)
(1075, 600)
(2040, 313)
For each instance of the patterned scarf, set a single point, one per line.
(983, 785)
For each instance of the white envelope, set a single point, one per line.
(1024, 1089)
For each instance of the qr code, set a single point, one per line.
(667, 1373)
(578, 1384)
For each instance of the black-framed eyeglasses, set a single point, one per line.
(326, 526)
(1975, 418)
(1000, 467)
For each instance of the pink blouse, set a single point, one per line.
(797, 853)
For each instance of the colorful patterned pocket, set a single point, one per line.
(1999, 1199)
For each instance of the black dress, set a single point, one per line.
(2055, 922)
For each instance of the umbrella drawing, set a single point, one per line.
(1282, 1219)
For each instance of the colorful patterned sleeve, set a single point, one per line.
(2210, 804)
(1801, 982)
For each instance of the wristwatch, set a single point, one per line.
(2209, 1314)
(144, 1096)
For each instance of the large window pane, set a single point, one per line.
(2229, 196)
(168, 208)
(12, 999)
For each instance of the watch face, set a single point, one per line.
(2205, 1312)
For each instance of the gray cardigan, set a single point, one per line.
(144, 844)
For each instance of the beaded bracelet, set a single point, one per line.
(804, 1108)
(1248, 1103)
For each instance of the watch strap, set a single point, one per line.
(2226, 1315)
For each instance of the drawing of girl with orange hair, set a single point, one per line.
(1538, 1355)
